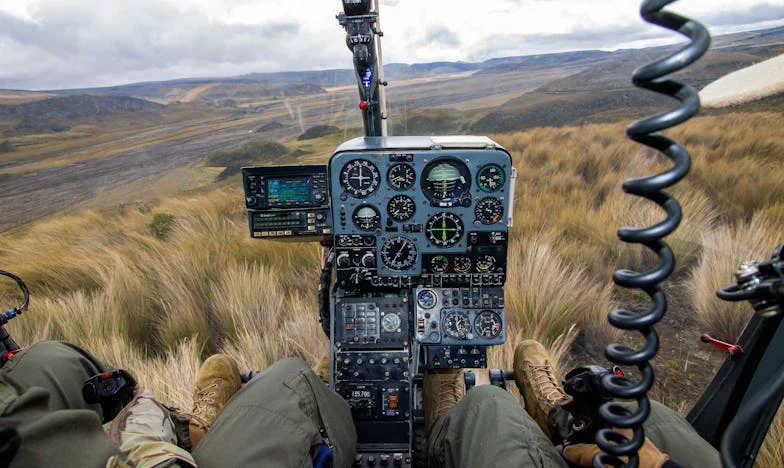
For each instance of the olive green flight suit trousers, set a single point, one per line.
(281, 419)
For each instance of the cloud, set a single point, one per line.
(80, 43)
(102, 42)
(441, 35)
(750, 15)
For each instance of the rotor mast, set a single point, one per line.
(363, 33)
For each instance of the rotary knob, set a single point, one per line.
(343, 260)
(369, 260)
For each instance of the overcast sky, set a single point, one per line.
(47, 44)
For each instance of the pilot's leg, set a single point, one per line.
(281, 418)
(488, 428)
(60, 368)
(674, 436)
(41, 398)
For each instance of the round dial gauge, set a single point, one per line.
(446, 182)
(462, 264)
(457, 324)
(485, 263)
(444, 229)
(489, 210)
(401, 176)
(488, 324)
(360, 178)
(399, 253)
(390, 322)
(366, 218)
(401, 208)
(439, 264)
(427, 299)
(491, 178)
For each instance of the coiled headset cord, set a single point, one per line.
(651, 77)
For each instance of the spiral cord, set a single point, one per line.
(650, 77)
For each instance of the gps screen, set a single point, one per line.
(288, 190)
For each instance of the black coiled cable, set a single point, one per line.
(651, 77)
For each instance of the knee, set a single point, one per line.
(484, 394)
(47, 352)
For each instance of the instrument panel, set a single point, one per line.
(437, 213)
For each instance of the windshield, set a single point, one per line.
(125, 125)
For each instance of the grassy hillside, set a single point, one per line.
(159, 287)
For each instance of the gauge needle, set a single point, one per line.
(399, 252)
(443, 226)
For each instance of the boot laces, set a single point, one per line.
(204, 404)
(448, 393)
(546, 384)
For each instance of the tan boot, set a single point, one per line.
(322, 368)
(442, 390)
(218, 380)
(535, 378)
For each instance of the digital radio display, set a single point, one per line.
(289, 190)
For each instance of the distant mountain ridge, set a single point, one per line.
(398, 71)
(71, 107)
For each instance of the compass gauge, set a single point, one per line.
(444, 229)
(360, 178)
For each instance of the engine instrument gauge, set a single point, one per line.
(427, 299)
(457, 324)
(488, 324)
(401, 176)
(367, 218)
(489, 210)
(390, 322)
(401, 208)
(490, 178)
(462, 264)
(444, 229)
(439, 264)
(485, 263)
(446, 182)
(360, 178)
(399, 253)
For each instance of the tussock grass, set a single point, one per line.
(158, 305)
(725, 248)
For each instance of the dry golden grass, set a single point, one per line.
(158, 306)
